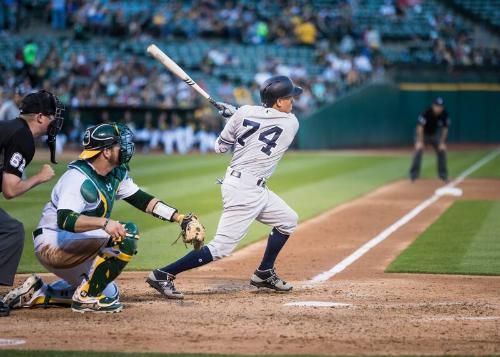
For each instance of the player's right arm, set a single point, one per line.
(16, 158)
(227, 137)
(73, 197)
(85, 223)
(13, 185)
(419, 140)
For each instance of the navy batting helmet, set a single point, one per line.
(277, 87)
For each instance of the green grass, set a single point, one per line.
(464, 240)
(491, 169)
(310, 182)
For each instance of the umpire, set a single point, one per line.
(41, 114)
(432, 128)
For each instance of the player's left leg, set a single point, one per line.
(35, 293)
(67, 255)
(242, 205)
(283, 219)
(97, 292)
(441, 159)
(233, 225)
(416, 163)
(11, 247)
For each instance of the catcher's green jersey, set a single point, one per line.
(99, 188)
(82, 190)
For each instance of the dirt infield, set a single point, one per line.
(387, 313)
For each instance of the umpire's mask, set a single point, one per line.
(48, 104)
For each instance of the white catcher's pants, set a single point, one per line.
(69, 255)
(244, 201)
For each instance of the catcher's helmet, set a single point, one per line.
(102, 136)
(277, 87)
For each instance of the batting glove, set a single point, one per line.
(227, 110)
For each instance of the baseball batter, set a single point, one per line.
(259, 136)
(77, 240)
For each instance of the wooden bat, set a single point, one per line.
(154, 51)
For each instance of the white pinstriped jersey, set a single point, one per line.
(260, 136)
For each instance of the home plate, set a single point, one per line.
(449, 191)
(11, 342)
(317, 304)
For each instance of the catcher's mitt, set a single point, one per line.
(192, 231)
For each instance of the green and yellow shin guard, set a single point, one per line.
(111, 261)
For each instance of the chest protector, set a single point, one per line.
(97, 188)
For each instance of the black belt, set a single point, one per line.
(37, 232)
(260, 182)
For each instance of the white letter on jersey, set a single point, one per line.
(17, 160)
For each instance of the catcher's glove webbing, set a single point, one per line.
(192, 231)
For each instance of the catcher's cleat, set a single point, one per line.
(164, 285)
(100, 304)
(26, 294)
(82, 302)
(270, 280)
(4, 309)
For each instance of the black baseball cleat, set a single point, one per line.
(270, 280)
(164, 284)
(4, 309)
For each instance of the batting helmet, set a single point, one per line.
(277, 87)
(102, 136)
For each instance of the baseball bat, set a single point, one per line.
(154, 51)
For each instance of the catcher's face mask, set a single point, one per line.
(48, 104)
(127, 146)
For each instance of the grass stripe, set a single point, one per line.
(310, 182)
(464, 240)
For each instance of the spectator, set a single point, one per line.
(372, 39)
(242, 95)
(9, 108)
(346, 44)
(387, 9)
(225, 91)
(58, 14)
(305, 33)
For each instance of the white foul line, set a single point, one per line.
(398, 224)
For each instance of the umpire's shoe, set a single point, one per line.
(164, 284)
(23, 295)
(269, 279)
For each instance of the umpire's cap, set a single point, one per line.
(277, 87)
(40, 102)
(438, 101)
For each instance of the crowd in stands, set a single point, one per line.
(345, 56)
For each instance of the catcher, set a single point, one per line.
(78, 241)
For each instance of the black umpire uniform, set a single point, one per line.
(17, 148)
(433, 125)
